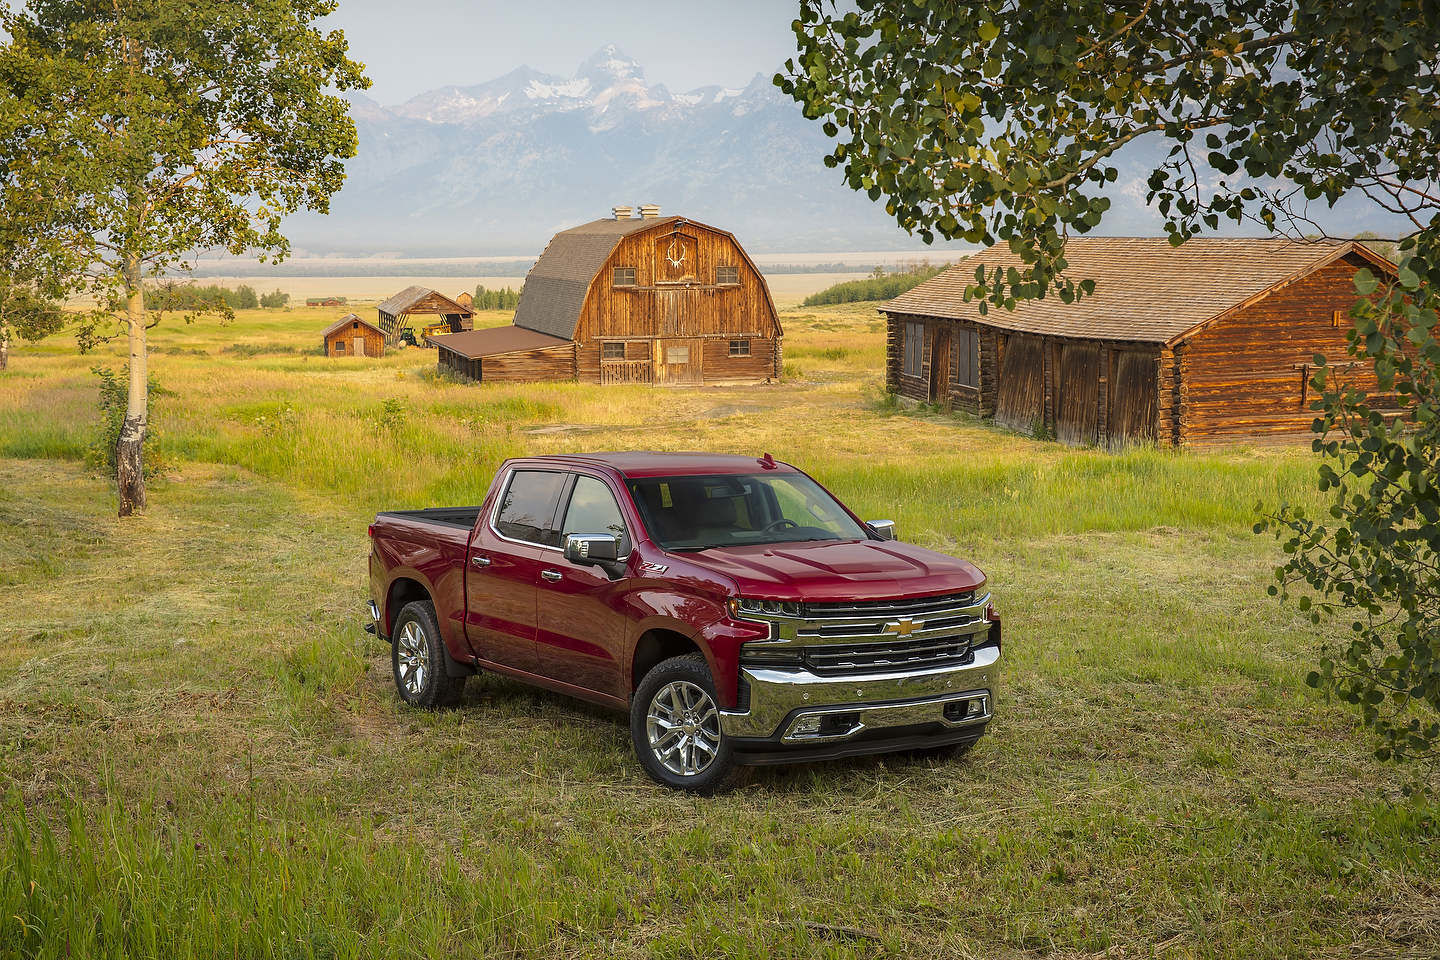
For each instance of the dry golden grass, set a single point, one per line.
(193, 690)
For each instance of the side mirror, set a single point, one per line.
(591, 548)
(883, 529)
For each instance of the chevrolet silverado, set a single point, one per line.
(731, 606)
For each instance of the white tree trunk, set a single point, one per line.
(129, 463)
(4, 347)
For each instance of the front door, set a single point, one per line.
(580, 633)
(678, 360)
(359, 346)
(504, 564)
(940, 365)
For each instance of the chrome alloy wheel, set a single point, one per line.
(683, 726)
(414, 658)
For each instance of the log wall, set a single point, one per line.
(1246, 375)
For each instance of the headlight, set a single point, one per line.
(765, 609)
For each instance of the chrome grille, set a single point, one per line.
(838, 659)
(906, 607)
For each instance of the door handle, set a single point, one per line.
(480, 561)
(551, 575)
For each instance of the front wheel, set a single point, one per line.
(675, 726)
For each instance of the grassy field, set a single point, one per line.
(204, 755)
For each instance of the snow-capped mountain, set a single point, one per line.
(496, 168)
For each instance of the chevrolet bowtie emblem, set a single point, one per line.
(904, 626)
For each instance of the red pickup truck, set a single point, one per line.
(738, 612)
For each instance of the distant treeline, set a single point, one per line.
(880, 285)
(190, 296)
(504, 299)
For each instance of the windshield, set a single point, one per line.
(697, 513)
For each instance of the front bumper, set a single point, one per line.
(795, 708)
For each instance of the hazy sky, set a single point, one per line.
(415, 45)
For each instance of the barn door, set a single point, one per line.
(678, 361)
(940, 364)
(359, 346)
(1077, 409)
(1020, 402)
(1133, 406)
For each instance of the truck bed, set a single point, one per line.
(462, 517)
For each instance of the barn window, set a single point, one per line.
(677, 355)
(339, 346)
(914, 348)
(624, 276)
(739, 348)
(727, 274)
(355, 325)
(612, 350)
(967, 357)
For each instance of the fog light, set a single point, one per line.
(806, 727)
(977, 707)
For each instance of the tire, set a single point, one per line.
(683, 686)
(416, 645)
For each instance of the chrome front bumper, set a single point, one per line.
(795, 706)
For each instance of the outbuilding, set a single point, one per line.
(1207, 342)
(396, 312)
(352, 337)
(632, 299)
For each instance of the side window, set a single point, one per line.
(624, 277)
(914, 346)
(967, 357)
(528, 507)
(727, 274)
(612, 350)
(593, 510)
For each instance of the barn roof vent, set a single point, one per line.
(649, 211)
(622, 212)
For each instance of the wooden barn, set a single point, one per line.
(466, 300)
(396, 313)
(352, 337)
(628, 299)
(1207, 342)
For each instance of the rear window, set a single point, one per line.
(527, 511)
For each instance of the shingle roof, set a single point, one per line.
(410, 296)
(345, 321)
(1145, 289)
(495, 340)
(554, 291)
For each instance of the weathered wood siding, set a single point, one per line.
(942, 386)
(1246, 375)
(678, 303)
(1020, 401)
(546, 363)
(374, 341)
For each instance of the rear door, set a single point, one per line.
(513, 538)
(582, 625)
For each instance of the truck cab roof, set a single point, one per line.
(655, 463)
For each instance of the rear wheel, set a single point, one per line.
(675, 726)
(418, 658)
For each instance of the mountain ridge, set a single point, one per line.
(497, 167)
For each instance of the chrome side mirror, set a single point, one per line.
(591, 548)
(883, 529)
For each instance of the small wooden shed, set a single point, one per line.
(1210, 341)
(466, 300)
(421, 301)
(626, 299)
(352, 337)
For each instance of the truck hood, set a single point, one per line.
(839, 570)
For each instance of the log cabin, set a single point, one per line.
(352, 337)
(1208, 342)
(632, 299)
(396, 312)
